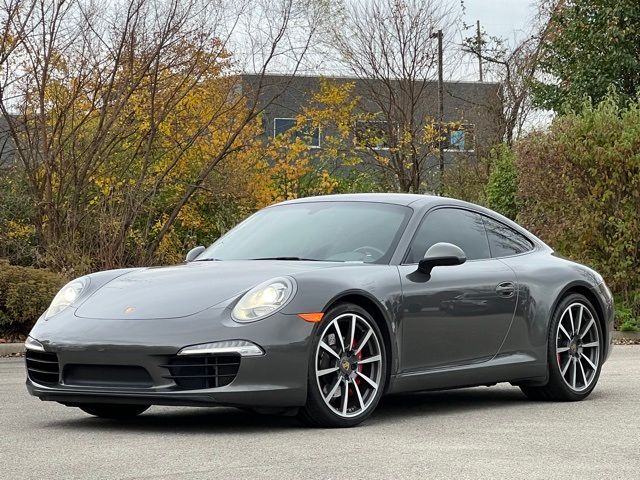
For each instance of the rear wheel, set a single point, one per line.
(574, 352)
(347, 371)
(116, 411)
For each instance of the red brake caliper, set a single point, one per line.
(359, 355)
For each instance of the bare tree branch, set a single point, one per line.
(388, 45)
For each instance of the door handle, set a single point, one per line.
(506, 289)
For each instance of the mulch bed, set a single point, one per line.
(13, 339)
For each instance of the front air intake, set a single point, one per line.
(194, 372)
(42, 367)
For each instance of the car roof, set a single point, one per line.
(393, 198)
(416, 201)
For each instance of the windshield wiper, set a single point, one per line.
(299, 259)
(208, 260)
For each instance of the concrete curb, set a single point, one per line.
(626, 335)
(11, 348)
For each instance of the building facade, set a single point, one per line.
(473, 115)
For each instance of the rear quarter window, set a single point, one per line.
(505, 241)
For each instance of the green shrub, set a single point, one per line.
(626, 320)
(466, 179)
(25, 293)
(503, 182)
(628, 313)
(579, 186)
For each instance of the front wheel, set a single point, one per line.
(115, 411)
(574, 353)
(347, 371)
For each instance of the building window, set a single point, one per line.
(307, 134)
(460, 139)
(373, 134)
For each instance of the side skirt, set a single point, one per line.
(517, 368)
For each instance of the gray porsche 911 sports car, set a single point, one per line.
(322, 305)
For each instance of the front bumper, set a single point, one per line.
(276, 379)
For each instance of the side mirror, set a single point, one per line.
(194, 252)
(441, 254)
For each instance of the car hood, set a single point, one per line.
(183, 290)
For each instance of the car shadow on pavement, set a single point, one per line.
(448, 402)
(185, 420)
(230, 420)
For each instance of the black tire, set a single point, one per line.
(316, 413)
(114, 411)
(556, 388)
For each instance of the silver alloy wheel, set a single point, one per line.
(348, 365)
(578, 346)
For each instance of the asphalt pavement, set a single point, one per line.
(470, 433)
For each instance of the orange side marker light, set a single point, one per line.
(311, 317)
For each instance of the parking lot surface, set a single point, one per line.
(469, 433)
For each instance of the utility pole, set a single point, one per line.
(479, 37)
(440, 110)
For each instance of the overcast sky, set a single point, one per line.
(509, 19)
(503, 18)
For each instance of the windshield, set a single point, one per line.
(327, 231)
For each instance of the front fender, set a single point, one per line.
(378, 285)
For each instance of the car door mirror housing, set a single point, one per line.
(439, 255)
(194, 253)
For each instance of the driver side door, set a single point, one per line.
(459, 314)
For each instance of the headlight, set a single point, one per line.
(66, 296)
(263, 300)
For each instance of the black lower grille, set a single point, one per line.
(42, 367)
(126, 376)
(193, 372)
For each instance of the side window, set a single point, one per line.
(307, 133)
(504, 241)
(460, 227)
